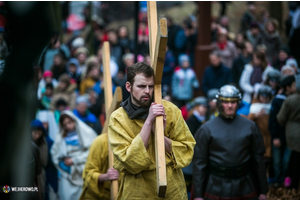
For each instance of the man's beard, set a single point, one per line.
(142, 103)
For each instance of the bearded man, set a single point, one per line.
(131, 136)
(228, 160)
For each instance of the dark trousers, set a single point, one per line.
(281, 158)
(294, 172)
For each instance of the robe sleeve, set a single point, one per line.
(130, 152)
(200, 161)
(182, 140)
(96, 164)
(282, 116)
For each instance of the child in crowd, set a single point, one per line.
(184, 81)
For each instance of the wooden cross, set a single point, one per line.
(111, 104)
(158, 37)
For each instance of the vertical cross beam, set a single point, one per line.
(152, 27)
(108, 101)
(158, 37)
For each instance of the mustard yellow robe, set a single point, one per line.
(96, 164)
(138, 163)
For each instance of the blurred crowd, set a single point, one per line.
(69, 82)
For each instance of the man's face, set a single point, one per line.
(81, 58)
(214, 60)
(141, 91)
(213, 104)
(129, 62)
(283, 56)
(94, 73)
(229, 107)
(81, 108)
(36, 134)
(201, 109)
(112, 37)
(254, 31)
(48, 92)
(123, 32)
(249, 47)
(252, 8)
(292, 89)
(57, 60)
(62, 85)
(72, 68)
(270, 28)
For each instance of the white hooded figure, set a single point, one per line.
(69, 154)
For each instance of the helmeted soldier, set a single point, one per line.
(228, 158)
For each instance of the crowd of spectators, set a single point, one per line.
(255, 60)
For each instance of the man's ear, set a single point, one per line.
(128, 86)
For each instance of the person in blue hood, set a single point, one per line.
(48, 181)
(73, 70)
(184, 81)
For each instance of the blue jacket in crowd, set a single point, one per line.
(216, 77)
(183, 83)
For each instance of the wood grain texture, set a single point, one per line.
(152, 26)
(160, 50)
(108, 102)
(158, 37)
(117, 100)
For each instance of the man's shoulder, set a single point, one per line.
(217, 120)
(100, 139)
(293, 97)
(118, 113)
(170, 105)
(245, 121)
(225, 68)
(99, 145)
(211, 123)
(191, 119)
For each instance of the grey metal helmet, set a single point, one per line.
(211, 94)
(229, 93)
(200, 101)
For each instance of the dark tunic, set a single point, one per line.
(193, 124)
(229, 143)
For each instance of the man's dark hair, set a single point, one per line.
(137, 68)
(242, 46)
(49, 85)
(287, 81)
(61, 102)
